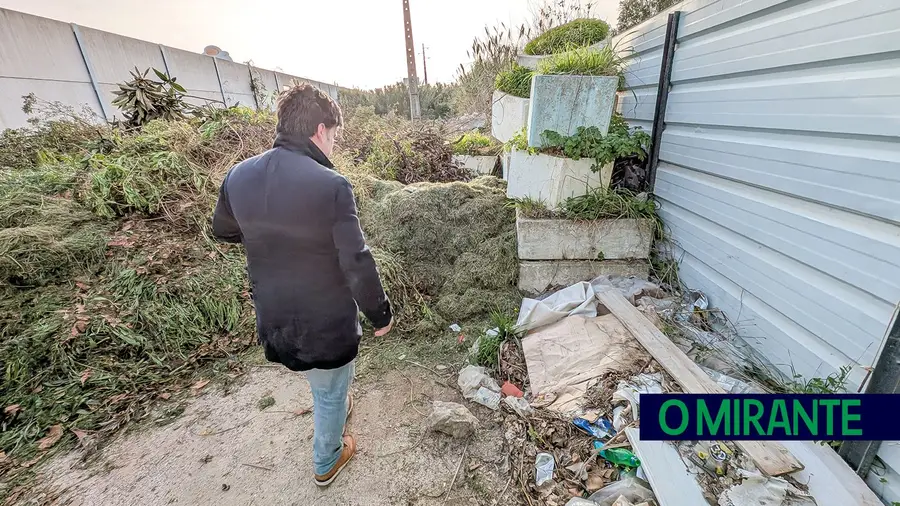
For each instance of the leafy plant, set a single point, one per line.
(519, 142)
(515, 80)
(577, 33)
(589, 142)
(584, 61)
(143, 100)
(475, 143)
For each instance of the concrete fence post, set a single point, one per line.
(90, 70)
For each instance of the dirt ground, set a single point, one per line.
(225, 450)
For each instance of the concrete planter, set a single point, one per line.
(481, 165)
(560, 239)
(564, 103)
(537, 277)
(508, 115)
(552, 179)
(531, 61)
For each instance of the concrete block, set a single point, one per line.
(504, 163)
(481, 165)
(537, 277)
(564, 103)
(552, 179)
(508, 115)
(560, 239)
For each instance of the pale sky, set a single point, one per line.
(348, 42)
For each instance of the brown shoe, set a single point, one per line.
(323, 480)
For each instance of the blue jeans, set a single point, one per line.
(329, 391)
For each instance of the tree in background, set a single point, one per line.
(434, 99)
(633, 12)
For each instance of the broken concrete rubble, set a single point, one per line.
(452, 419)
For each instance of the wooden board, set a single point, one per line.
(770, 457)
(672, 484)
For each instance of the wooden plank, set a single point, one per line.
(672, 483)
(770, 457)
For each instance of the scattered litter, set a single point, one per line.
(618, 456)
(601, 429)
(487, 398)
(631, 287)
(579, 469)
(577, 299)
(635, 490)
(620, 419)
(472, 378)
(700, 302)
(455, 328)
(757, 489)
(519, 405)
(631, 390)
(578, 501)
(564, 358)
(711, 457)
(492, 332)
(511, 390)
(544, 466)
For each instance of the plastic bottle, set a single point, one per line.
(618, 456)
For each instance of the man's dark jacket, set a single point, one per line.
(308, 261)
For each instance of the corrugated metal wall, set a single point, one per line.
(779, 173)
(41, 56)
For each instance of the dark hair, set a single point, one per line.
(302, 108)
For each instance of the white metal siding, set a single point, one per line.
(779, 175)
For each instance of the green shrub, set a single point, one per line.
(578, 33)
(516, 81)
(475, 143)
(584, 62)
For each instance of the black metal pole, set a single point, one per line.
(662, 95)
(885, 380)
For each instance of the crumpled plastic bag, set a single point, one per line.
(473, 377)
(630, 391)
(631, 489)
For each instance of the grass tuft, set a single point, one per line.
(577, 33)
(515, 81)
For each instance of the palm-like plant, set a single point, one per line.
(144, 99)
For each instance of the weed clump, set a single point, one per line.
(515, 81)
(584, 61)
(577, 33)
(475, 143)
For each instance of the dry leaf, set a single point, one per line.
(12, 409)
(81, 286)
(51, 438)
(117, 398)
(80, 434)
(3, 458)
(85, 375)
(200, 384)
(302, 411)
(165, 396)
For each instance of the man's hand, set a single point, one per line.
(385, 330)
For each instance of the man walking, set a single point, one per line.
(310, 269)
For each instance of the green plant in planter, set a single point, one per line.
(577, 33)
(589, 142)
(584, 61)
(475, 143)
(515, 81)
(519, 142)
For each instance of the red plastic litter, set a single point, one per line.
(511, 390)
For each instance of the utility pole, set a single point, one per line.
(424, 64)
(415, 111)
